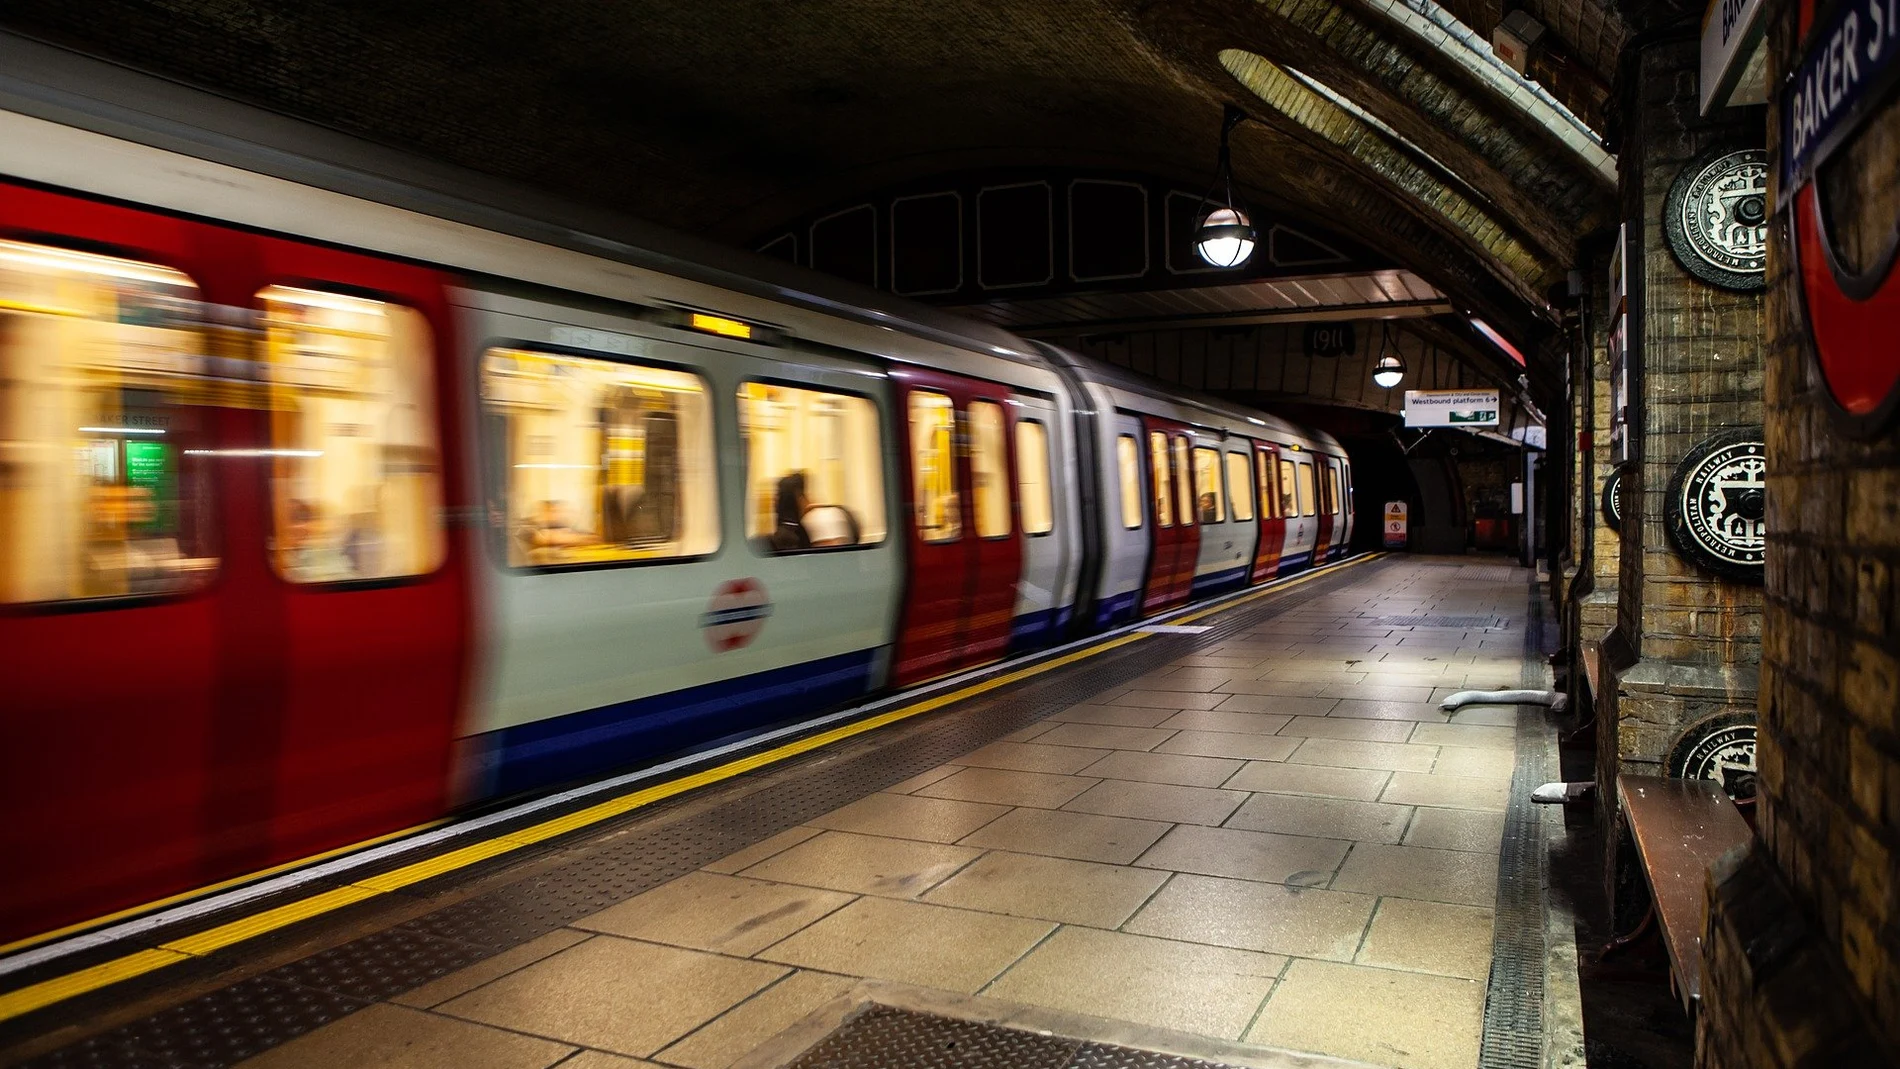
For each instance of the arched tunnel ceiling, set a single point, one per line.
(727, 119)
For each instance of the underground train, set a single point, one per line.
(330, 503)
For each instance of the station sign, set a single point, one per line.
(1733, 63)
(1451, 408)
(1395, 524)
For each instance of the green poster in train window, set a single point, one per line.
(148, 466)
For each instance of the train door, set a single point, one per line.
(1177, 542)
(1299, 498)
(1126, 520)
(1344, 541)
(965, 558)
(1327, 478)
(1044, 557)
(1266, 561)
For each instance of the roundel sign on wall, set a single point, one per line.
(1716, 218)
(1612, 504)
(1717, 501)
(1720, 748)
(1844, 79)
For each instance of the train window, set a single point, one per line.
(814, 468)
(1208, 504)
(1306, 489)
(1128, 458)
(989, 469)
(1289, 502)
(1182, 487)
(605, 462)
(1332, 490)
(104, 429)
(355, 476)
(1164, 490)
(1269, 488)
(1240, 486)
(1032, 466)
(933, 422)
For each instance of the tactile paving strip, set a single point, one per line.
(1513, 1036)
(614, 863)
(887, 1038)
(1463, 622)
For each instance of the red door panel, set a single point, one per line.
(1322, 480)
(1177, 541)
(1266, 561)
(999, 550)
(961, 591)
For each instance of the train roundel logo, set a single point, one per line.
(735, 615)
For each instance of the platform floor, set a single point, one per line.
(1274, 837)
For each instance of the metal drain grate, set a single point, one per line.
(887, 1038)
(613, 861)
(1461, 622)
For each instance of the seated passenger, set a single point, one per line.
(830, 525)
(1210, 508)
(788, 534)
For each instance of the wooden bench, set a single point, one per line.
(1680, 826)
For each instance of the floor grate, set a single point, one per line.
(884, 1037)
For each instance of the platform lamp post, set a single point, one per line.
(1390, 369)
(1225, 236)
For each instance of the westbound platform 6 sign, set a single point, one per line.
(1451, 408)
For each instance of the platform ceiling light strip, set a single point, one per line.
(1441, 31)
(1278, 89)
(60, 988)
(1497, 339)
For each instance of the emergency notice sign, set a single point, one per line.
(1395, 525)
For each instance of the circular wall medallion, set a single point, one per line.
(1611, 504)
(1716, 502)
(1720, 748)
(1716, 218)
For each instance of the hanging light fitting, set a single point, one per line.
(1225, 236)
(1390, 369)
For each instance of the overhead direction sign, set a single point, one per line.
(1733, 67)
(1451, 408)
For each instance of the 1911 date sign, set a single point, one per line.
(1849, 66)
(1716, 218)
(1716, 502)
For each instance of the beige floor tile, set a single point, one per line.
(711, 911)
(600, 1059)
(1474, 762)
(1361, 783)
(912, 943)
(1450, 792)
(1231, 744)
(1456, 734)
(916, 783)
(1492, 716)
(1166, 699)
(1458, 876)
(1183, 769)
(1352, 753)
(1082, 836)
(1315, 675)
(1216, 660)
(1377, 693)
(1328, 818)
(1029, 757)
(1049, 888)
(1402, 1019)
(1247, 855)
(739, 1030)
(1283, 688)
(1340, 727)
(1276, 705)
(1028, 734)
(1375, 710)
(1184, 679)
(1106, 736)
(1434, 937)
(1210, 991)
(909, 816)
(1226, 720)
(1003, 787)
(465, 980)
(1300, 921)
(865, 864)
(1456, 829)
(404, 1038)
(1158, 801)
(1119, 715)
(761, 850)
(581, 995)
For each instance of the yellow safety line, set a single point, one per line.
(47, 992)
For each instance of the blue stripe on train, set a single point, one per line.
(1295, 560)
(1220, 582)
(1033, 631)
(1115, 609)
(597, 740)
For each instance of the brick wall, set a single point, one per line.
(1803, 949)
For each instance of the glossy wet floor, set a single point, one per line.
(1278, 840)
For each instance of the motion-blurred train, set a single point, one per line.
(331, 502)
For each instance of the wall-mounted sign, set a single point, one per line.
(1395, 524)
(1451, 408)
(1611, 504)
(1720, 748)
(1846, 74)
(1329, 339)
(1716, 218)
(1716, 503)
(1733, 69)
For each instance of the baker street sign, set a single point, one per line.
(1852, 58)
